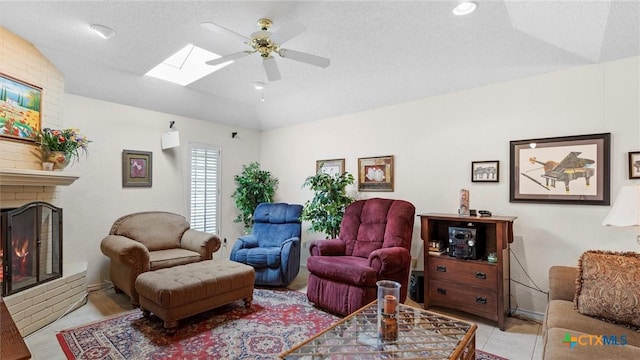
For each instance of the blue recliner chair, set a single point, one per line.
(273, 248)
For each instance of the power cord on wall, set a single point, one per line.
(90, 289)
(225, 250)
(71, 307)
(535, 287)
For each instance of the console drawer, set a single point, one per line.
(464, 272)
(475, 300)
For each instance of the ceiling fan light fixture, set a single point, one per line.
(465, 8)
(267, 44)
(103, 31)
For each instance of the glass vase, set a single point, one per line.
(388, 306)
(60, 159)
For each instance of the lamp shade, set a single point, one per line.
(626, 208)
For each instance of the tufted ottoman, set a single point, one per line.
(181, 291)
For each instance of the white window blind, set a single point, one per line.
(205, 186)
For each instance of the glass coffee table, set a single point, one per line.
(421, 335)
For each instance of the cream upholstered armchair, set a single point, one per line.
(148, 241)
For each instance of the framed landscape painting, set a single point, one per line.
(137, 168)
(561, 170)
(20, 109)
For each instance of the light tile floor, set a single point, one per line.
(520, 341)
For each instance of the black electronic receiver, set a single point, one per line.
(484, 213)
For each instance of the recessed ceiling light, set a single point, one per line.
(186, 66)
(103, 31)
(465, 8)
(258, 85)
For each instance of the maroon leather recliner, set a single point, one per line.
(374, 244)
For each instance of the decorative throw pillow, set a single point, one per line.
(608, 286)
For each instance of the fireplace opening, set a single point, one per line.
(30, 246)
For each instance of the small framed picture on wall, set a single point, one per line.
(137, 168)
(375, 173)
(634, 165)
(332, 167)
(485, 171)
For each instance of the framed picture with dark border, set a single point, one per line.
(137, 168)
(561, 170)
(332, 167)
(485, 171)
(375, 173)
(634, 165)
(20, 109)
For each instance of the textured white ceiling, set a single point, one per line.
(382, 52)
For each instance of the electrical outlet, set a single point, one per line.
(414, 262)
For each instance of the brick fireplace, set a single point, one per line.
(38, 305)
(30, 246)
(23, 181)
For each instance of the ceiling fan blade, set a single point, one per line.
(271, 68)
(304, 57)
(224, 31)
(287, 32)
(230, 57)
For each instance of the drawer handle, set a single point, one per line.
(441, 268)
(481, 300)
(442, 291)
(481, 275)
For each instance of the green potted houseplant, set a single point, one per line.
(62, 146)
(255, 186)
(329, 201)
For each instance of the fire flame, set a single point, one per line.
(21, 254)
(24, 251)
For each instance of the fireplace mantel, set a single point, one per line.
(30, 177)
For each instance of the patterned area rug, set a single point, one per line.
(277, 320)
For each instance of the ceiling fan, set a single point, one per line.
(266, 44)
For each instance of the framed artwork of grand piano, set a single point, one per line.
(485, 171)
(634, 165)
(561, 170)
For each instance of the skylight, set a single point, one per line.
(186, 66)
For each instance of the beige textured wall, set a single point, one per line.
(434, 140)
(97, 199)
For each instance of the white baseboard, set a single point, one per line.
(527, 315)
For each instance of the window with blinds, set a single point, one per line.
(205, 187)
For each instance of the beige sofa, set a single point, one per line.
(149, 241)
(562, 318)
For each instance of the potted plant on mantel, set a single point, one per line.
(255, 186)
(326, 209)
(60, 147)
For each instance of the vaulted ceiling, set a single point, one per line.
(382, 52)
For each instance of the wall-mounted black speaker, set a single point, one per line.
(416, 286)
